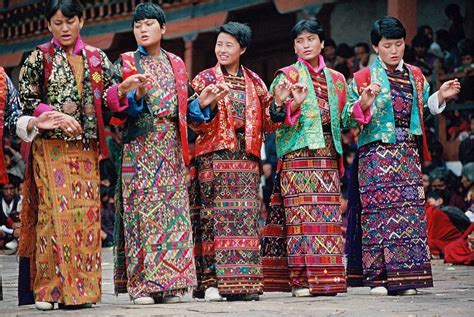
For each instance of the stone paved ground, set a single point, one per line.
(453, 295)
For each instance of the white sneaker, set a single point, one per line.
(407, 292)
(145, 300)
(172, 299)
(12, 245)
(44, 305)
(379, 291)
(300, 292)
(212, 295)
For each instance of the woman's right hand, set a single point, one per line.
(211, 94)
(70, 126)
(49, 120)
(368, 95)
(137, 81)
(282, 91)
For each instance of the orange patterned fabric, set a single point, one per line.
(219, 132)
(66, 245)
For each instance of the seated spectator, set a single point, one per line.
(461, 251)
(344, 60)
(467, 181)
(363, 56)
(466, 148)
(441, 230)
(458, 218)
(329, 53)
(14, 162)
(443, 179)
(423, 59)
(10, 206)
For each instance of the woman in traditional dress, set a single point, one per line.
(157, 242)
(388, 99)
(303, 239)
(228, 163)
(61, 213)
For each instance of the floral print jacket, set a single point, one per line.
(61, 92)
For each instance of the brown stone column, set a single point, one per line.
(188, 52)
(405, 11)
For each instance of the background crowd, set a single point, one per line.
(442, 55)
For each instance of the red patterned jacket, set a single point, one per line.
(219, 133)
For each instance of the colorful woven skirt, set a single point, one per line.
(394, 239)
(276, 276)
(157, 226)
(68, 244)
(310, 191)
(227, 233)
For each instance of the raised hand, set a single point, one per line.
(299, 92)
(449, 89)
(137, 81)
(49, 120)
(211, 94)
(282, 91)
(369, 94)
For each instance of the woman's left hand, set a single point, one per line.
(449, 89)
(299, 93)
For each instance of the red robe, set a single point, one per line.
(441, 230)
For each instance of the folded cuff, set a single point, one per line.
(41, 108)
(115, 103)
(361, 116)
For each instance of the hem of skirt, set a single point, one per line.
(164, 293)
(398, 287)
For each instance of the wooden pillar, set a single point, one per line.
(188, 52)
(405, 11)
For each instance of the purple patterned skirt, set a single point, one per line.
(395, 253)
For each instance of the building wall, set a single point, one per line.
(352, 20)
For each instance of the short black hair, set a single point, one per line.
(364, 45)
(311, 26)
(344, 50)
(329, 42)
(421, 40)
(69, 8)
(149, 10)
(437, 194)
(241, 32)
(387, 27)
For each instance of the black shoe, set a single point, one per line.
(242, 297)
(73, 307)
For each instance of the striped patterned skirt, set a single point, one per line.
(226, 228)
(310, 193)
(157, 226)
(395, 253)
